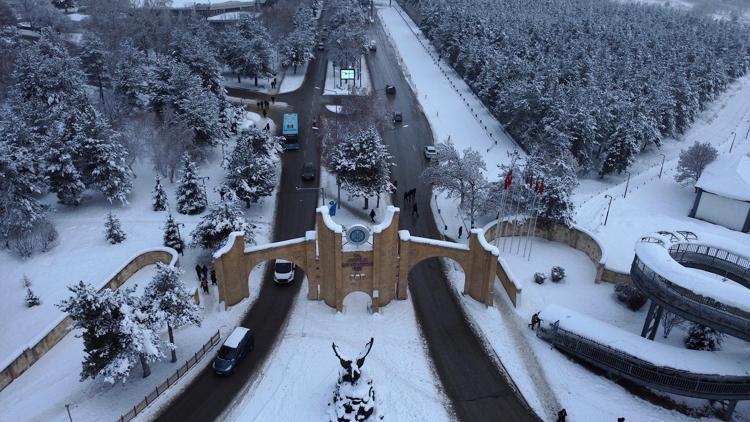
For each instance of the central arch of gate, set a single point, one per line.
(336, 267)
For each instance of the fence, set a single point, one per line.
(171, 380)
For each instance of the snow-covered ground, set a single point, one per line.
(360, 85)
(291, 81)
(84, 254)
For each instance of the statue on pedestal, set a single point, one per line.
(353, 397)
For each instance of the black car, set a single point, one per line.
(390, 90)
(308, 171)
(234, 349)
(398, 117)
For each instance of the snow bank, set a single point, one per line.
(484, 243)
(228, 244)
(728, 176)
(332, 225)
(719, 363)
(656, 257)
(275, 244)
(387, 219)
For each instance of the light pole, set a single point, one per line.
(606, 217)
(734, 136)
(322, 192)
(626, 185)
(67, 407)
(663, 157)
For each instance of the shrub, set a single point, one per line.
(539, 278)
(701, 337)
(557, 273)
(630, 296)
(32, 299)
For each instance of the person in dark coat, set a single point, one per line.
(273, 99)
(372, 215)
(535, 321)
(561, 415)
(414, 210)
(204, 286)
(460, 231)
(198, 271)
(265, 113)
(213, 276)
(406, 196)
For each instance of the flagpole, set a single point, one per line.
(540, 191)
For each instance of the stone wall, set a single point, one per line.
(32, 354)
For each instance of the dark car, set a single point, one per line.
(390, 90)
(234, 349)
(397, 117)
(308, 171)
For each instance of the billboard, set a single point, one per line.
(347, 74)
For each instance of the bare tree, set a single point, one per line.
(669, 321)
(693, 161)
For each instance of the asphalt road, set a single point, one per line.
(477, 390)
(208, 396)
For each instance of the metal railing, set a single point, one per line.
(729, 264)
(617, 362)
(171, 380)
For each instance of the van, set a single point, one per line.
(283, 271)
(234, 349)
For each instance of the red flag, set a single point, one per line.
(541, 186)
(508, 179)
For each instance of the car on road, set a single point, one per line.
(308, 171)
(390, 90)
(321, 46)
(430, 152)
(234, 349)
(283, 271)
(372, 46)
(398, 117)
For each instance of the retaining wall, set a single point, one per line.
(36, 349)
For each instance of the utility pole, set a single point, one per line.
(663, 157)
(67, 407)
(734, 136)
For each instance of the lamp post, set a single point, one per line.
(322, 192)
(663, 157)
(734, 136)
(606, 217)
(67, 407)
(627, 184)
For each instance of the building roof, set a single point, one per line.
(727, 176)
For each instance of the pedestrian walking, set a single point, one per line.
(561, 415)
(535, 321)
(267, 128)
(414, 193)
(372, 215)
(406, 196)
(273, 99)
(265, 113)
(257, 104)
(414, 210)
(213, 276)
(198, 271)
(205, 272)
(460, 231)
(274, 82)
(204, 286)
(621, 419)
(267, 104)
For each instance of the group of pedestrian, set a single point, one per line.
(410, 195)
(203, 275)
(264, 106)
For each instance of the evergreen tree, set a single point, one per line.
(130, 76)
(222, 219)
(32, 299)
(693, 161)
(138, 333)
(172, 237)
(113, 229)
(61, 174)
(362, 164)
(191, 45)
(98, 315)
(93, 59)
(159, 202)
(701, 337)
(252, 167)
(20, 210)
(191, 199)
(246, 48)
(167, 293)
(106, 167)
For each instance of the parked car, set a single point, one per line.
(390, 90)
(430, 152)
(321, 46)
(283, 271)
(372, 46)
(234, 349)
(308, 171)
(397, 117)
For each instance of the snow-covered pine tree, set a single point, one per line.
(191, 199)
(61, 173)
(138, 333)
(93, 59)
(20, 210)
(246, 48)
(130, 76)
(222, 219)
(701, 337)
(159, 202)
(362, 164)
(191, 45)
(113, 229)
(172, 237)
(106, 167)
(98, 315)
(693, 161)
(167, 293)
(559, 180)
(32, 299)
(252, 167)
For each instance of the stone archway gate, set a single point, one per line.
(335, 268)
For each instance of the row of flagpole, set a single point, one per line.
(508, 198)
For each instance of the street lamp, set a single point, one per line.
(606, 217)
(67, 407)
(322, 193)
(626, 185)
(734, 136)
(663, 157)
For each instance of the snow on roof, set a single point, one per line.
(230, 16)
(332, 225)
(236, 337)
(656, 257)
(275, 244)
(727, 176)
(700, 362)
(483, 241)
(228, 244)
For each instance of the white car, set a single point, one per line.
(283, 271)
(430, 152)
